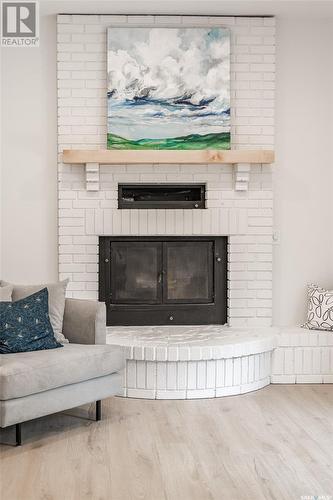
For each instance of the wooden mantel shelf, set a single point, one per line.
(239, 158)
(104, 156)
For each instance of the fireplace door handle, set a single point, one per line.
(160, 277)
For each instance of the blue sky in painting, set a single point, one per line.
(168, 82)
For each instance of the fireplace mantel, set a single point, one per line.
(109, 157)
(241, 159)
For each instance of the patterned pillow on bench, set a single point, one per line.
(320, 309)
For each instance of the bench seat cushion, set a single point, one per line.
(28, 373)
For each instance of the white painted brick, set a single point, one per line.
(84, 73)
(251, 369)
(172, 375)
(113, 19)
(220, 373)
(256, 366)
(89, 38)
(283, 379)
(65, 258)
(237, 371)
(141, 375)
(203, 393)
(289, 367)
(91, 249)
(84, 276)
(244, 370)
(269, 21)
(278, 361)
(70, 47)
(85, 19)
(182, 375)
(228, 391)
(228, 381)
(86, 258)
(65, 240)
(151, 371)
(192, 375)
(168, 20)
(64, 19)
(131, 374)
(299, 364)
(141, 393)
(309, 379)
(262, 366)
(69, 28)
(140, 20)
(71, 268)
(316, 361)
(194, 20)
(86, 240)
(307, 361)
(201, 374)
(210, 374)
(71, 230)
(325, 360)
(63, 37)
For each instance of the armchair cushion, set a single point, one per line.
(85, 321)
(28, 373)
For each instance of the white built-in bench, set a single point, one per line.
(303, 357)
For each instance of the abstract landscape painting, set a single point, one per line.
(168, 88)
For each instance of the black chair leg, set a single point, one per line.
(18, 429)
(18, 434)
(98, 410)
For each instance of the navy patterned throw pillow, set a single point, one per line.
(25, 325)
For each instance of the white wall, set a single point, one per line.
(304, 167)
(303, 191)
(29, 160)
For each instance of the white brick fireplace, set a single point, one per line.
(245, 216)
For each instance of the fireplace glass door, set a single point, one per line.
(135, 268)
(189, 272)
(158, 281)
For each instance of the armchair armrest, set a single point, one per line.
(85, 321)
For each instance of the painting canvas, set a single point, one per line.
(168, 88)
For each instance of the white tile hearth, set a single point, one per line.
(188, 362)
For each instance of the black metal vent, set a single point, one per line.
(163, 280)
(161, 196)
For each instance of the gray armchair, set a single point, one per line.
(34, 384)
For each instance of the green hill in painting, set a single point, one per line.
(193, 141)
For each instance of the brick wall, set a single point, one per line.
(245, 216)
(303, 357)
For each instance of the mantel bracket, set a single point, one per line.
(242, 176)
(92, 176)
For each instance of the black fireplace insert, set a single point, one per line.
(163, 280)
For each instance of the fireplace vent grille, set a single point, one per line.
(174, 196)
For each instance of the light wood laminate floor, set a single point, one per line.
(276, 443)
